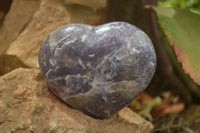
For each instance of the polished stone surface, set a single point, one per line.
(98, 70)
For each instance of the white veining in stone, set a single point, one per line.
(98, 70)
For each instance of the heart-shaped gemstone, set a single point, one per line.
(98, 70)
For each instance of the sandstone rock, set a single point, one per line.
(132, 117)
(9, 63)
(50, 15)
(3, 114)
(26, 105)
(15, 22)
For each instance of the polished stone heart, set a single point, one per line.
(98, 70)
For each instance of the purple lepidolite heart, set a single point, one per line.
(98, 70)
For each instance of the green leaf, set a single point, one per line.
(182, 28)
(194, 5)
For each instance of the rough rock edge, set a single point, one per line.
(27, 105)
(49, 16)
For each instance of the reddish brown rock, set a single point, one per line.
(26, 105)
(19, 16)
(9, 63)
(50, 15)
(3, 113)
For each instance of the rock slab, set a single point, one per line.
(36, 22)
(27, 105)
